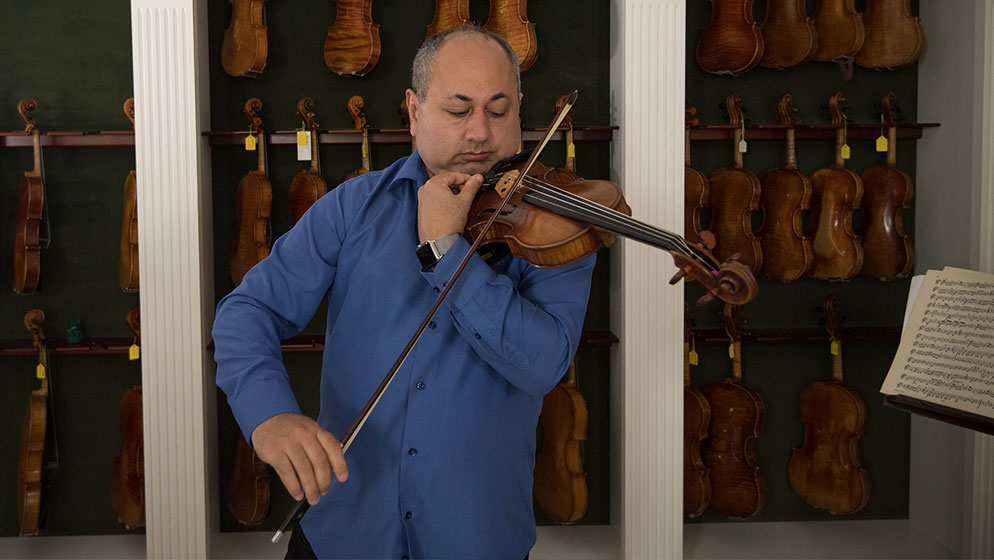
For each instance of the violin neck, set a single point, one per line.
(837, 363)
(840, 140)
(892, 146)
(735, 148)
(365, 148)
(791, 153)
(262, 152)
(314, 151)
(36, 138)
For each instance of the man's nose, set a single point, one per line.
(478, 127)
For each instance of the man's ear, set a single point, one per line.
(412, 110)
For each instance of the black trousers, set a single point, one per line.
(299, 549)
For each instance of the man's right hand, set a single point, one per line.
(303, 453)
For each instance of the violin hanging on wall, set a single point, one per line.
(355, 107)
(695, 186)
(254, 200)
(308, 185)
(30, 211)
(127, 264)
(246, 44)
(449, 14)
(840, 33)
(789, 35)
(696, 422)
(127, 478)
(893, 37)
(352, 46)
(509, 19)
(731, 43)
(560, 484)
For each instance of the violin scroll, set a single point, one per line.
(732, 282)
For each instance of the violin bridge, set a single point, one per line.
(506, 182)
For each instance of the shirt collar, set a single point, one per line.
(413, 169)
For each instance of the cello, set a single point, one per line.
(307, 185)
(352, 46)
(737, 414)
(893, 37)
(696, 421)
(30, 208)
(355, 107)
(449, 14)
(695, 186)
(789, 36)
(246, 44)
(38, 459)
(127, 263)
(836, 193)
(254, 199)
(734, 194)
(731, 43)
(509, 19)
(826, 471)
(560, 486)
(888, 253)
(786, 193)
(127, 477)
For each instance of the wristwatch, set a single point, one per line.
(431, 251)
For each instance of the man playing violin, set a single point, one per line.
(443, 466)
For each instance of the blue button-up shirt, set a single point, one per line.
(443, 467)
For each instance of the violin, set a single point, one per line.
(789, 36)
(127, 264)
(508, 18)
(733, 195)
(353, 42)
(826, 471)
(246, 45)
(731, 43)
(836, 193)
(449, 14)
(30, 206)
(786, 193)
(355, 107)
(695, 186)
(127, 478)
(38, 460)
(247, 490)
(567, 173)
(560, 484)
(893, 37)
(888, 253)
(840, 30)
(696, 420)
(254, 199)
(307, 185)
(737, 414)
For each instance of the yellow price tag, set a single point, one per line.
(881, 143)
(364, 156)
(844, 151)
(571, 150)
(250, 143)
(731, 350)
(833, 347)
(134, 352)
(692, 357)
(301, 138)
(40, 371)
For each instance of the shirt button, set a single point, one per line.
(477, 335)
(432, 325)
(412, 452)
(436, 290)
(404, 558)
(420, 386)
(407, 515)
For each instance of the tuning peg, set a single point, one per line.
(680, 273)
(707, 238)
(703, 300)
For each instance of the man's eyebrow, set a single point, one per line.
(468, 99)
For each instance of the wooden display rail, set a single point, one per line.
(776, 337)
(714, 132)
(396, 136)
(69, 139)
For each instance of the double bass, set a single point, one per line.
(826, 471)
(30, 208)
(355, 107)
(789, 35)
(732, 42)
(893, 36)
(509, 19)
(887, 192)
(352, 46)
(449, 14)
(308, 185)
(254, 201)
(38, 459)
(246, 44)
(127, 263)
(127, 477)
(786, 193)
(737, 414)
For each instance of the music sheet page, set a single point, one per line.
(946, 354)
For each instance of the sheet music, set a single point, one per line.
(946, 354)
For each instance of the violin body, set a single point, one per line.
(509, 19)
(246, 44)
(449, 14)
(888, 253)
(836, 192)
(353, 43)
(732, 42)
(127, 479)
(696, 477)
(826, 471)
(30, 204)
(695, 187)
(30, 461)
(734, 194)
(254, 200)
(308, 185)
(789, 35)
(737, 414)
(247, 493)
(127, 265)
(893, 37)
(840, 30)
(560, 484)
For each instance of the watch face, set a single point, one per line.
(426, 256)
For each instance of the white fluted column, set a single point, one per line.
(174, 217)
(647, 314)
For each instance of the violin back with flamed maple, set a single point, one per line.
(893, 37)
(732, 42)
(789, 35)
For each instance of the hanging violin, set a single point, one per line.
(560, 486)
(893, 36)
(127, 264)
(253, 200)
(449, 14)
(696, 421)
(695, 186)
(508, 18)
(353, 43)
(731, 43)
(355, 107)
(30, 208)
(38, 461)
(127, 477)
(307, 185)
(246, 45)
(789, 36)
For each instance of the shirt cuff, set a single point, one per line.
(260, 402)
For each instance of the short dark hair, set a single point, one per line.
(425, 57)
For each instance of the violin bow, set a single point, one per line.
(302, 506)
